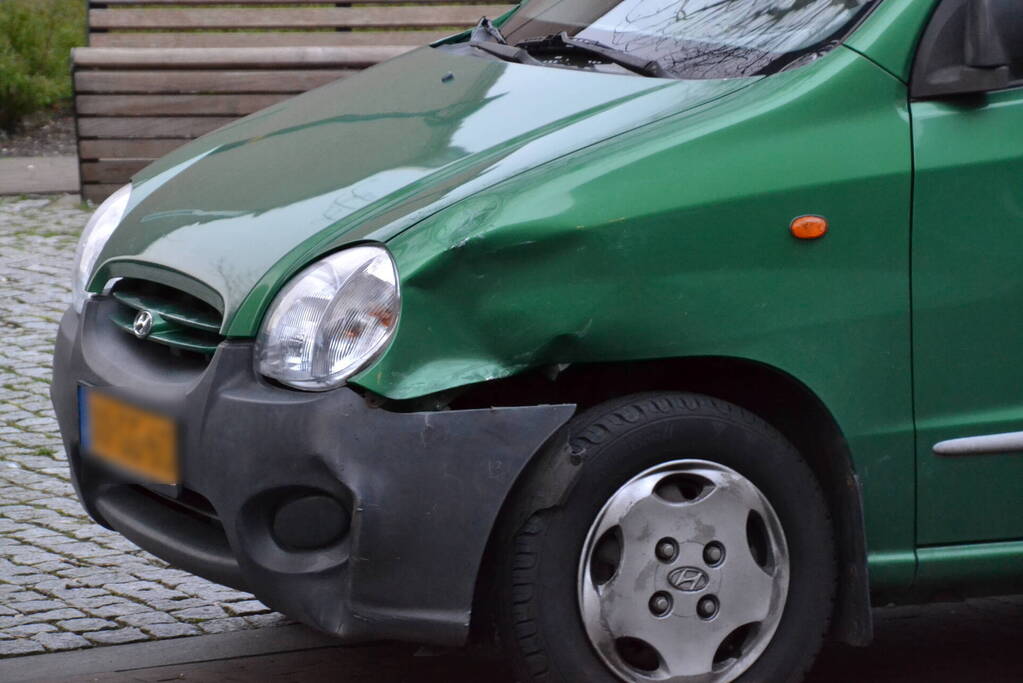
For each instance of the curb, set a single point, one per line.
(38, 175)
(188, 650)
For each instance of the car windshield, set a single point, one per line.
(691, 38)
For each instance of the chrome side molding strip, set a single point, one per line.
(990, 444)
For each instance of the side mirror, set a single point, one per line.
(970, 46)
(994, 34)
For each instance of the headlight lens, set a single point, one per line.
(97, 231)
(332, 320)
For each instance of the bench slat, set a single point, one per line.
(112, 171)
(183, 82)
(184, 127)
(266, 39)
(126, 149)
(174, 105)
(315, 18)
(233, 57)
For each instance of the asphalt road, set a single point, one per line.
(960, 642)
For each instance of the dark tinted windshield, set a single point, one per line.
(697, 38)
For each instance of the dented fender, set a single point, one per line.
(672, 241)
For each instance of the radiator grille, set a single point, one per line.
(176, 319)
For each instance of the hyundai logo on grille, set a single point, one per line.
(143, 324)
(688, 579)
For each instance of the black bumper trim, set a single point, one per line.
(180, 539)
(424, 489)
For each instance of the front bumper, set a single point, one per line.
(423, 490)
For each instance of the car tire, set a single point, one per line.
(568, 608)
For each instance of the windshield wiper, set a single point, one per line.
(488, 38)
(486, 32)
(561, 42)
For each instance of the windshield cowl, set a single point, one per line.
(685, 39)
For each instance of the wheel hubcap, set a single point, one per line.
(683, 575)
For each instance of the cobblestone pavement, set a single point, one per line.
(65, 582)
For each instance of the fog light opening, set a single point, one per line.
(310, 522)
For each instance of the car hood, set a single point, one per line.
(231, 215)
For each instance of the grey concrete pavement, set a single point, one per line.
(278, 654)
(970, 642)
(976, 641)
(66, 583)
(38, 175)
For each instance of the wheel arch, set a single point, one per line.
(777, 397)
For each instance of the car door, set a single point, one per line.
(967, 284)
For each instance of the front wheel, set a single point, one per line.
(693, 545)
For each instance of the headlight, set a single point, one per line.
(94, 237)
(332, 320)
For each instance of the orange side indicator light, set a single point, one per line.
(809, 227)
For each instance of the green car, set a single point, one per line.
(654, 340)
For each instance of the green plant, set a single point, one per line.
(36, 37)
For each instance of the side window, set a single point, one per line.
(970, 46)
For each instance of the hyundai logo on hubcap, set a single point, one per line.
(688, 579)
(143, 324)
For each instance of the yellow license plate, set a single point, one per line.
(141, 442)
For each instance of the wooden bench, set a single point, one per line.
(158, 73)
